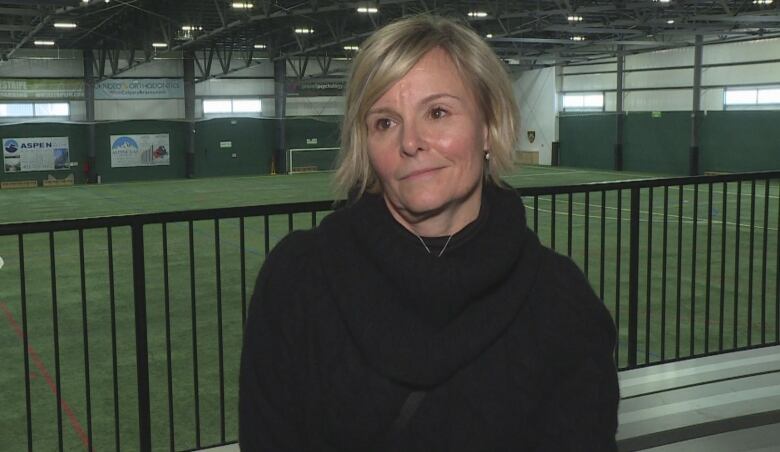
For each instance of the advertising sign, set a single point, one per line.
(140, 150)
(35, 154)
(141, 88)
(41, 88)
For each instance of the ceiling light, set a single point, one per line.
(670, 21)
(44, 43)
(84, 1)
(762, 2)
(259, 46)
(355, 48)
(304, 31)
(575, 18)
(662, 1)
(64, 25)
(242, 5)
(159, 45)
(577, 38)
(191, 28)
(489, 35)
(366, 10)
(477, 14)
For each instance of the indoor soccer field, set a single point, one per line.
(198, 284)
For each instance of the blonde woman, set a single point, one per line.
(425, 315)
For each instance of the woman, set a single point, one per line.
(426, 316)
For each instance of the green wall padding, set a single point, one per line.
(251, 141)
(176, 131)
(657, 143)
(587, 140)
(77, 144)
(740, 141)
(325, 129)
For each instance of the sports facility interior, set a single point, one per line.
(154, 152)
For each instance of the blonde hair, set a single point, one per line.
(386, 57)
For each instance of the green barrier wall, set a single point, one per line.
(250, 140)
(77, 144)
(587, 140)
(657, 143)
(176, 131)
(729, 141)
(740, 141)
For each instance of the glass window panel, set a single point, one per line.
(572, 100)
(216, 106)
(594, 100)
(52, 109)
(769, 96)
(247, 106)
(741, 97)
(16, 109)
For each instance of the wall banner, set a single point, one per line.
(41, 88)
(316, 87)
(35, 154)
(140, 150)
(140, 88)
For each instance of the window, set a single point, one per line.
(37, 109)
(227, 106)
(583, 102)
(52, 109)
(752, 97)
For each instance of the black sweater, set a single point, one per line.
(505, 337)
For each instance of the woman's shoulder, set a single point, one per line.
(569, 308)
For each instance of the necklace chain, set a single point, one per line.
(429, 250)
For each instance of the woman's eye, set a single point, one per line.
(383, 124)
(438, 113)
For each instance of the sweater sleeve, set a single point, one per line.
(270, 410)
(578, 340)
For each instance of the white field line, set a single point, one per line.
(686, 220)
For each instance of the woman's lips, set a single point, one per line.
(418, 173)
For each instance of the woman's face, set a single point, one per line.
(426, 142)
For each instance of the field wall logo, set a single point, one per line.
(11, 146)
(124, 145)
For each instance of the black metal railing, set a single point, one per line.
(141, 316)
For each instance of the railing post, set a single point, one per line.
(141, 346)
(633, 279)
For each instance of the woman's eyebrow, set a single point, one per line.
(425, 100)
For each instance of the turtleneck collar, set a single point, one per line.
(404, 306)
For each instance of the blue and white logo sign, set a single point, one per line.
(11, 146)
(140, 150)
(36, 154)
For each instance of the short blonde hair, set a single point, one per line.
(386, 57)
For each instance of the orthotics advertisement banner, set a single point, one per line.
(140, 150)
(35, 154)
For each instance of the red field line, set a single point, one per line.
(74, 422)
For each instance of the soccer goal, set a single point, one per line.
(303, 160)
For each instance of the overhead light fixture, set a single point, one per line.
(242, 5)
(159, 45)
(304, 31)
(84, 1)
(489, 35)
(44, 43)
(762, 2)
(259, 46)
(367, 10)
(662, 1)
(353, 48)
(191, 28)
(64, 25)
(575, 18)
(577, 38)
(478, 14)
(670, 21)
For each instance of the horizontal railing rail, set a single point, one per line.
(687, 266)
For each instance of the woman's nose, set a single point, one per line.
(412, 139)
